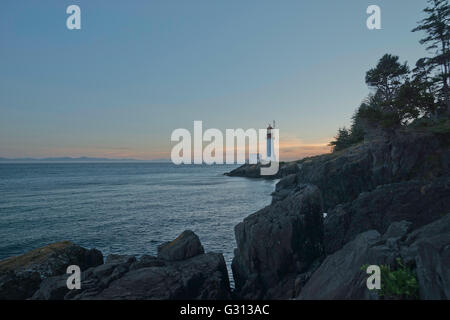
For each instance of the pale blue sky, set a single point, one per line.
(137, 70)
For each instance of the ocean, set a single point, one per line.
(123, 208)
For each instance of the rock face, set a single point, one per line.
(419, 202)
(181, 271)
(21, 276)
(376, 196)
(276, 242)
(343, 175)
(429, 249)
(426, 250)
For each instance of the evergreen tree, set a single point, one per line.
(387, 77)
(341, 140)
(437, 27)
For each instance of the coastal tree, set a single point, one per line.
(413, 100)
(423, 73)
(436, 25)
(341, 140)
(387, 77)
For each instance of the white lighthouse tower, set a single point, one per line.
(269, 149)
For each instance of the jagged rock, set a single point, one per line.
(53, 288)
(246, 170)
(397, 230)
(281, 239)
(340, 275)
(197, 276)
(147, 261)
(285, 187)
(187, 245)
(419, 202)
(427, 250)
(400, 156)
(287, 169)
(201, 277)
(115, 259)
(21, 276)
(254, 171)
(18, 286)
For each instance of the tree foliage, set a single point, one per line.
(401, 97)
(387, 77)
(436, 25)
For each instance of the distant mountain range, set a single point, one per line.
(79, 159)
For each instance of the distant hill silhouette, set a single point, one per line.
(77, 159)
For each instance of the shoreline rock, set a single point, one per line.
(277, 241)
(373, 195)
(20, 276)
(254, 171)
(181, 271)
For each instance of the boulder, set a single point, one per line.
(20, 276)
(187, 245)
(182, 271)
(340, 275)
(53, 288)
(285, 187)
(18, 286)
(202, 277)
(276, 242)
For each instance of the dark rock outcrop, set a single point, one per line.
(427, 250)
(201, 277)
(254, 171)
(187, 245)
(181, 271)
(399, 156)
(285, 187)
(340, 275)
(21, 276)
(419, 202)
(367, 191)
(276, 243)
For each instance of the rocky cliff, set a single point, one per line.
(383, 200)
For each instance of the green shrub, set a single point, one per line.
(397, 283)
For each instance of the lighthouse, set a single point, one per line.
(269, 148)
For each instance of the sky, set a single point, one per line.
(137, 70)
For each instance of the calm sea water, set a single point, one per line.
(124, 208)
